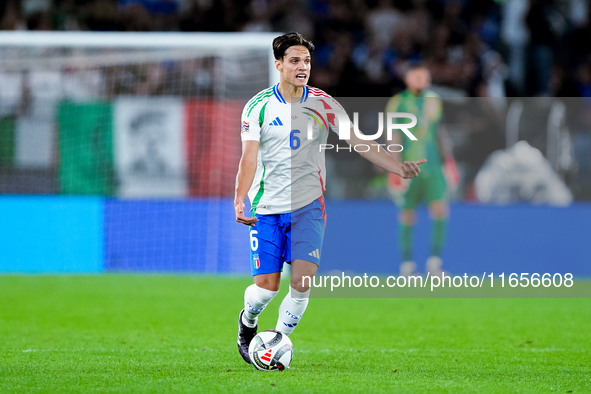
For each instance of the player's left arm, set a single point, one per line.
(450, 168)
(380, 157)
(377, 154)
(444, 142)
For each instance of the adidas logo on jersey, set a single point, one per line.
(276, 122)
(314, 253)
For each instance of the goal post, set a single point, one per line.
(147, 126)
(205, 43)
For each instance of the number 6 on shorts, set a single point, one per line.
(254, 242)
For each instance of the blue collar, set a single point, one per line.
(282, 100)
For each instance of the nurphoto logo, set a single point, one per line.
(345, 126)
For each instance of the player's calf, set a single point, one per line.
(256, 300)
(291, 310)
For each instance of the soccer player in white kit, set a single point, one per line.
(282, 171)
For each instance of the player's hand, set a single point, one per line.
(410, 169)
(240, 217)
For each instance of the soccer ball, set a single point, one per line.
(270, 351)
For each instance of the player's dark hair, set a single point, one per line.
(282, 43)
(415, 65)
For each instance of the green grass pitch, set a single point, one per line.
(155, 333)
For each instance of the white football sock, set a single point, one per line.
(255, 300)
(291, 310)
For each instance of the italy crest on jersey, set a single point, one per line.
(256, 261)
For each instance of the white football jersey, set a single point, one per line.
(291, 168)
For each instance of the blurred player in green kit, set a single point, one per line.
(431, 187)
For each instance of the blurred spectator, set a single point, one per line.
(215, 16)
(381, 23)
(584, 79)
(453, 65)
(363, 46)
(11, 17)
(515, 35)
(457, 27)
(297, 20)
(562, 83)
(40, 20)
(260, 17)
(545, 24)
(338, 66)
(494, 74)
(102, 15)
(137, 18)
(66, 15)
(30, 7)
(158, 15)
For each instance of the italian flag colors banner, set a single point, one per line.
(148, 147)
(27, 141)
(86, 148)
(7, 136)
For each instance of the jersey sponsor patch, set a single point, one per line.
(245, 127)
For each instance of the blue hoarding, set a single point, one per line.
(88, 234)
(51, 234)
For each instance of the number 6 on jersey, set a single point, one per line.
(294, 140)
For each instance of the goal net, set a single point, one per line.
(144, 125)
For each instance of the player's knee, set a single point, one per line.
(302, 283)
(439, 210)
(407, 217)
(271, 283)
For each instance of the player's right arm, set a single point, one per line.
(250, 135)
(246, 172)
